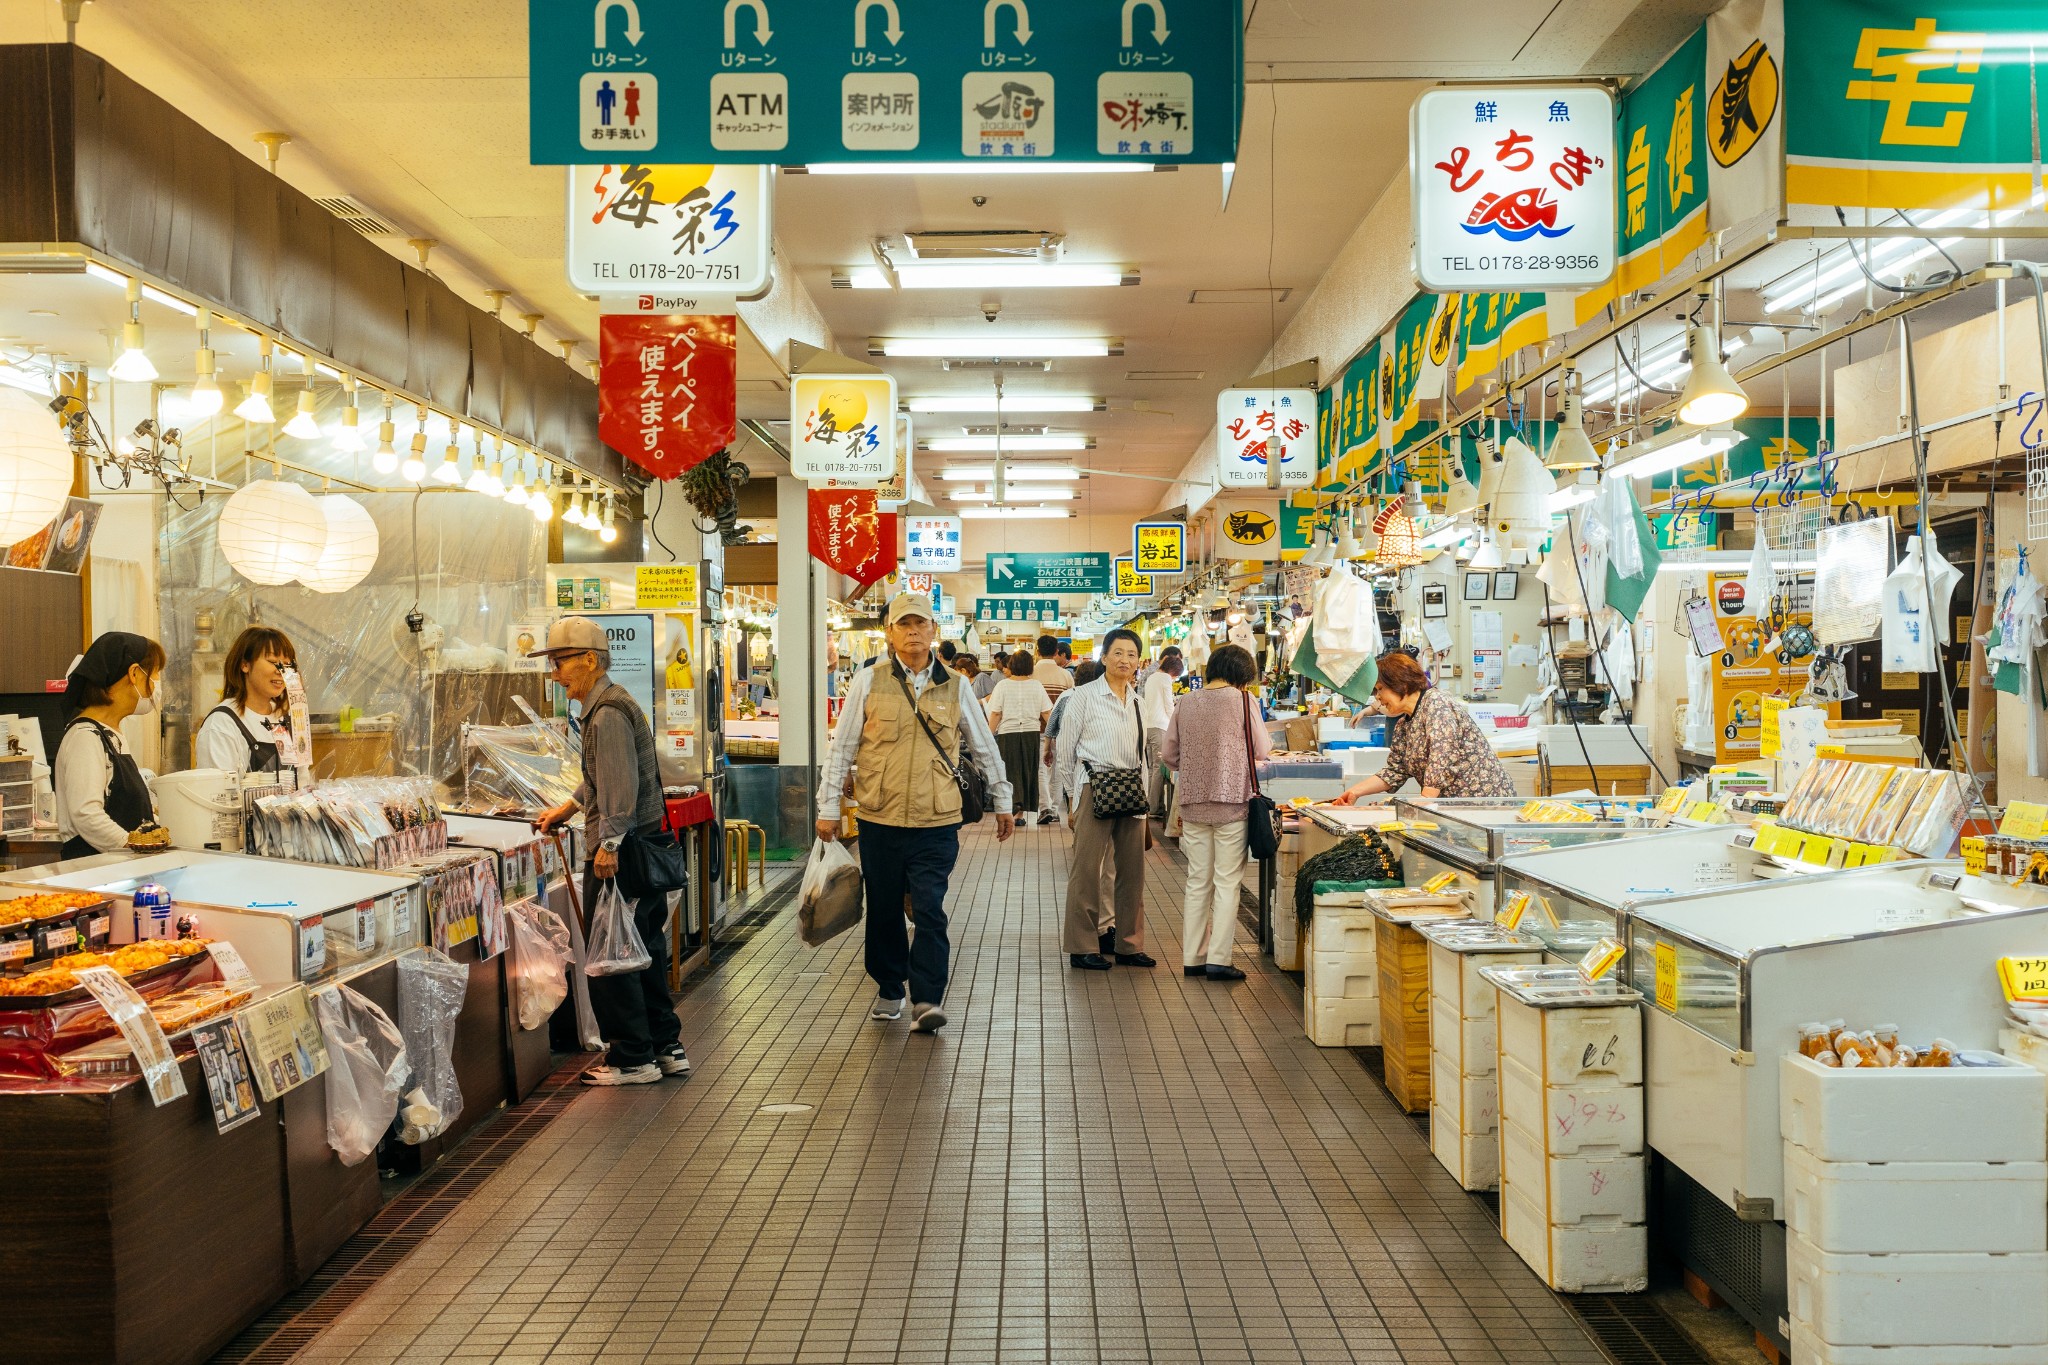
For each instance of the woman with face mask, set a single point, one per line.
(242, 733)
(102, 796)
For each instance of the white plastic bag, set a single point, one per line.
(366, 1071)
(1347, 625)
(537, 959)
(829, 902)
(431, 986)
(1763, 577)
(615, 947)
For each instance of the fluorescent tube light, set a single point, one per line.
(1018, 403)
(1571, 492)
(1041, 494)
(976, 167)
(990, 275)
(105, 275)
(156, 295)
(1003, 348)
(1450, 533)
(1015, 514)
(1734, 559)
(988, 444)
(1012, 473)
(1678, 448)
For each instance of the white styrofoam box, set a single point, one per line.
(1473, 1102)
(1936, 1299)
(1340, 900)
(1572, 1189)
(1584, 1258)
(1473, 1158)
(1343, 976)
(1455, 977)
(1472, 1041)
(1343, 1023)
(1564, 1045)
(1809, 1349)
(1340, 929)
(1955, 1113)
(1286, 936)
(1914, 1206)
(1569, 1119)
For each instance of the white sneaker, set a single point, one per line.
(886, 1009)
(673, 1062)
(927, 1019)
(646, 1074)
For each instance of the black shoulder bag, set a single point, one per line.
(966, 774)
(651, 862)
(1262, 817)
(1117, 793)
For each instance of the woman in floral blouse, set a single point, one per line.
(1434, 740)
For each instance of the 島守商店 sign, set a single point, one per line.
(932, 544)
(782, 82)
(1514, 187)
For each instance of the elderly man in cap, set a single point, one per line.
(906, 724)
(620, 794)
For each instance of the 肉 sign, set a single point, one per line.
(1514, 187)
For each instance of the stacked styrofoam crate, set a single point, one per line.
(1464, 1115)
(1339, 987)
(1916, 1208)
(1572, 1166)
(1286, 928)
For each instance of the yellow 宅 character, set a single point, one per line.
(1678, 155)
(1638, 181)
(1898, 58)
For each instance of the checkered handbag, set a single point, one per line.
(1114, 793)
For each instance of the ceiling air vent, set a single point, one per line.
(1277, 294)
(1009, 429)
(982, 363)
(1001, 244)
(357, 217)
(1163, 376)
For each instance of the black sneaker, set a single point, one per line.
(672, 1061)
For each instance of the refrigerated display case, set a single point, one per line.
(1472, 834)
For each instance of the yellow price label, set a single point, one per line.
(2023, 820)
(2023, 978)
(1600, 959)
(1667, 977)
(1509, 916)
(1829, 751)
(1672, 799)
(1439, 882)
(1768, 731)
(1973, 854)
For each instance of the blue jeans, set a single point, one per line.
(896, 862)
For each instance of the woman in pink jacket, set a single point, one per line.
(1213, 740)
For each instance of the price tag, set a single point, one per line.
(2023, 820)
(1667, 977)
(1543, 904)
(2023, 978)
(233, 970)
(16, 950)
(144, 1035)
(366, 926)
(1672, 799)
(1509, 916)
(58, 939)
(1439, 882)
(1600, 959)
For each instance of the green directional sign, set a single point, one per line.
(807, 81)
(1082, 572)
(1023, 609)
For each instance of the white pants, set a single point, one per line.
(1216, 859)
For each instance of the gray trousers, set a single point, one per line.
(1122, 840)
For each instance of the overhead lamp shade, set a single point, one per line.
(1400, 538)
(1571, 450)
(1519, 514)
(1711, 397)
(351, 549)
(272, 531)
(1461, 495)
(1489, 469)
(35, 466)
(1488, 555)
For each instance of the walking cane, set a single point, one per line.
(579, 983)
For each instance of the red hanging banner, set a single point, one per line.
(667, 388)
(850, 535)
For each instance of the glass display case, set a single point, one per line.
(1472, 834)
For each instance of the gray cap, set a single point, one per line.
(573, 634)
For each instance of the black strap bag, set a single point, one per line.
(1114, 793)
(966, 773)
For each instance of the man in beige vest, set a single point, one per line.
(901, 733)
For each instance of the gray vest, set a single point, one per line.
(648, 809)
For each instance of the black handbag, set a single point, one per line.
(966, 773)
(1114, 793)
(651, 863)
(1261, 817)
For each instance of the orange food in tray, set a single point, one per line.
(43, 904)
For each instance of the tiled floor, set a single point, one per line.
(1122, 1166)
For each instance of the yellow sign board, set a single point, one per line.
(1439, 882)
(1159, 546)
(2023, 820)
(2023, 978)
(665, 587)
(1667, 977)
(1129, 582)
(1767, 735)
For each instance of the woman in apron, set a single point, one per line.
(102, 797)
(241, 734)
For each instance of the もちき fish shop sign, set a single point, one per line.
(1514, 187)
(683, 82)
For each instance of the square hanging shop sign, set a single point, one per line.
(843, 427)
(1159, 546)
(667, 388)
(1252, 424)
(1247, 528)
(658, 234)
(1514, 187)
(932, 544)
(1131, 583)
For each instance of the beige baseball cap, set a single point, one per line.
(572, 634)
(909, 604)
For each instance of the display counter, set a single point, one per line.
(1468, 836)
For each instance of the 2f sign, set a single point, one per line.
(1514, 187)
(1257, 428)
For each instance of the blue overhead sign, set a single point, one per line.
(794, 81)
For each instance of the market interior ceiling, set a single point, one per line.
(417, 112)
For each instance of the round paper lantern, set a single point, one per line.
(272, 531)
(351, 546)
(35, 466)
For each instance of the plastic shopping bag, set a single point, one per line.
(615, 947)
(431, 986)
(366, 1071)
(537, 960)
(1347, 626)
(831, 895)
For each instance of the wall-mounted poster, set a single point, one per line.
(1436, 599)
(1506, 583)
(1477, 584)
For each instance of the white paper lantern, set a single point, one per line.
(351, 546)
(272, 531)
(35, 466)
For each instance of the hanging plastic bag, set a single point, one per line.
(830, 899)
(538, 962)
(1763, 577)
(615, 946)
(1347, 626)
(366, 1071)
(431, 986)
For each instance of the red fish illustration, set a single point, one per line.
(1515, 216)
